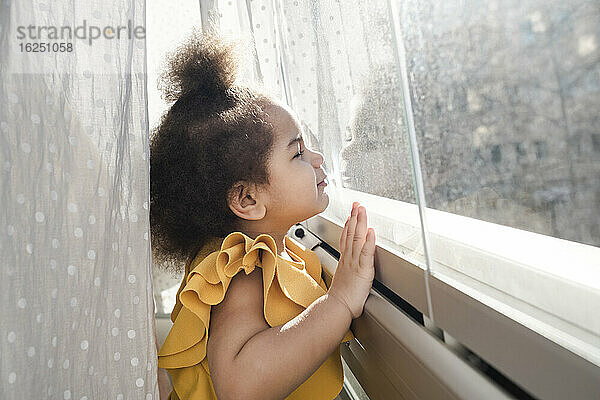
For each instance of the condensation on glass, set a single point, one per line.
(505, 99)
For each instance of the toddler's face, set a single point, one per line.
(294, 194)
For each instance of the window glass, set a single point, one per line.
(505, 98)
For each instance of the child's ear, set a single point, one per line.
(245, 201)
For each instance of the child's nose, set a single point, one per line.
(318, 159)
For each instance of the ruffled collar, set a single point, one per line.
(297, 253)
(221, 258)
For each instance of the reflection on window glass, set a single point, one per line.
(345, 86)
(376, 159)
(506, 97)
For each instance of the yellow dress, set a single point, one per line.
(289, 287)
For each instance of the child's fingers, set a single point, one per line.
(360, 233)
(343, 236)
(368, 250)
(350, 233)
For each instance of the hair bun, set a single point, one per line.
(204, 66)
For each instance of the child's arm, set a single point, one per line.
(249, 359)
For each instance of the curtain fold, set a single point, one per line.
(74, 234)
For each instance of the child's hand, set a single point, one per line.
(355, 271)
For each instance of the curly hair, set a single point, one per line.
(215, 134)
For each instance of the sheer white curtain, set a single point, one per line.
(76, 283)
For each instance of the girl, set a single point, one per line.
(229, 176)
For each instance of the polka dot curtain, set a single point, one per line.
(76, 284)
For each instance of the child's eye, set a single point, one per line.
(299, 153)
